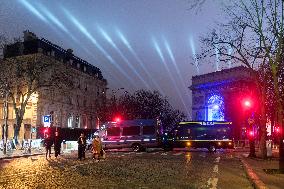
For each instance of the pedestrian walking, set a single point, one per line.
(97, 147)
(57, 144)
(81, 146)
(48, 143)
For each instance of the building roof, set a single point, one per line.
(32, 44)
(223, 77)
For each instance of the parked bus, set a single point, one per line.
(211, 135)
(136, 134)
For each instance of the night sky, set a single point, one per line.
(137, 44)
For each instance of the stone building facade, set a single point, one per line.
(75, 108)
(218, 96)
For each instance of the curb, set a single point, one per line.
(257, 183)
(20, 156)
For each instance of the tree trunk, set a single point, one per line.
(263, 131)
(17, 127)
(281, 146)
(251, 148)
(16, 134)
(262, 142)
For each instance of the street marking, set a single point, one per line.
(177, 154)
(139, 153)
(212, 183)
(164, 154)
(215, 169)
(154, 153)
(217, 160)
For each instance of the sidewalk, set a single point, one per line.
(20, 153)
(255, 171)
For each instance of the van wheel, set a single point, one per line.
(212, 148)
(136, 147)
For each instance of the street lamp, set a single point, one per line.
(5, 95)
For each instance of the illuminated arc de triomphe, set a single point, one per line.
(216, 96)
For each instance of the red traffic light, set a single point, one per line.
(250, 134)
(117, 119)
(277, 130)
(247, 103)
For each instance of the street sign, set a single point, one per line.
(46, 121)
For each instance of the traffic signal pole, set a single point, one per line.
(281, 148)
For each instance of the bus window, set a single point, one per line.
(149, 130)
(223, 133)
(130, 131)
(207, 132)
(113, 131)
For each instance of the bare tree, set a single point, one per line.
(26, 75)
(143, 104)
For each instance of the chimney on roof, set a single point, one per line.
(29, 36)
(70, 51)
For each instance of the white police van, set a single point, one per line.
(137, 134)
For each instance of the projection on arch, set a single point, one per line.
(215, 108)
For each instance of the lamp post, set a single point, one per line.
(251, 138)
(5, 126)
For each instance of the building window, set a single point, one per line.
(70, 121)
(85, 69)
(77, 122)
(78, 104)
(78, 65)
(69, 100)
(85, 103)
(98, 91)
(85, 122)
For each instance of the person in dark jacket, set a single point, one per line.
(57, 144)
(81, 146)
(48, 143)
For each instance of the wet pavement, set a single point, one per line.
(125, 169)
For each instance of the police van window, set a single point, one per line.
(149, 130)
(129, 131)
(113, 131)
(205, 133)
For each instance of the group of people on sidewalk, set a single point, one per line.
(97, 148)
(48, 142)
